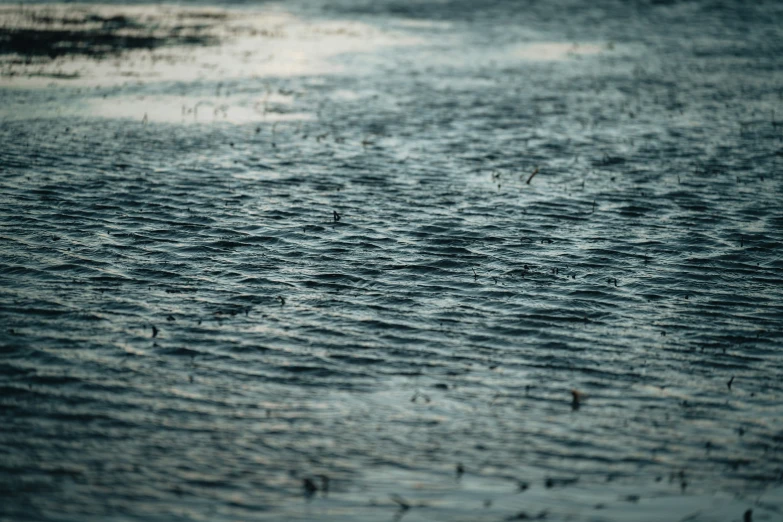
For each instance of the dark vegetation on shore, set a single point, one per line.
(37, 35)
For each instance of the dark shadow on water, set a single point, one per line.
(90, 34)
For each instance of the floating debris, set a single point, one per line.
(522, 515)
(550, 482)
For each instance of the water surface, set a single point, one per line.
(189, 332)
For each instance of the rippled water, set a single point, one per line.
(188, 332)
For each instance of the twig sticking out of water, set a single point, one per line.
(475, 275)
(309, 487)
(535, 171)
(576, 399)
(730, 381)
(422, 395)
(404, 505)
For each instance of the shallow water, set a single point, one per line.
(188, 332)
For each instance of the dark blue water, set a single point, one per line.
(188, 332)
